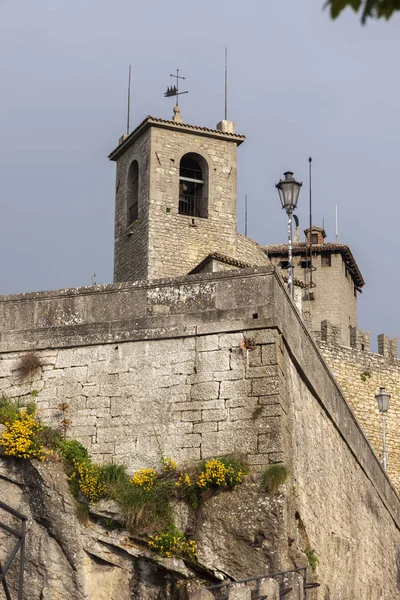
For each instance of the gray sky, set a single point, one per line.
(299, 85)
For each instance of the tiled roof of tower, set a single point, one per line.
(229, 260)
(169, 124)
(301, 248)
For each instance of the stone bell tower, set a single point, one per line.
(175, 197)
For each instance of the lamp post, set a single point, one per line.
(289, 190)
(383, 404)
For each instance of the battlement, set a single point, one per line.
(359, 340)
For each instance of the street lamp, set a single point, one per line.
(289, 190)
(383, 404)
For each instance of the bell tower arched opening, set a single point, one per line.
(193, 186)
(132, 200)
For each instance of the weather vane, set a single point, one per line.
(173, 90)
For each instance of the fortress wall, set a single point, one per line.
(168, 373)
(341, 516)
(189, 397)
(360, 375)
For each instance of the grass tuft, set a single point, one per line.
(274, 476)
(145, 511)
(312, 558)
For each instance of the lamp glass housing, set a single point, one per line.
(383, 399)
(289, 190)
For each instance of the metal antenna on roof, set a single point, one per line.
(174, 89)
(245, 215)
(311, 268)
(93, 278)
(226, 85)
(129, 102)
(337, 234)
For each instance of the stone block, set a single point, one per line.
(205, 391)
(265, 386)
(254, 357)
(53, 374)
(234, 389)
(191, 440)
(263, 336)
(216, 360)
(204, 427)
(116, 365)
(207, 342)
(198, 405)
(122, 405)
(78, 374)
(230, 375)
(230, 340)
(226, 442)
(264, 371)
(94, 402)
(191, 415)
(184, 368)
(237, 360)
(250, 411)
(214, 415)
(270, 441)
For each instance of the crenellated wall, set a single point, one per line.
(360, 374)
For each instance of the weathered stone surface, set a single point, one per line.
(338, 500)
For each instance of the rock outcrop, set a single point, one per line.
(238, 534)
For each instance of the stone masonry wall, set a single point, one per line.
(131, 240)
(194, 397)
(360, 374)
(337, 507)
(177, 243)
(157, 367)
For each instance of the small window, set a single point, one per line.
(305, 263)
(326, 260)
(355, 292)
(193, 186)
(314, 238)
(132, 204)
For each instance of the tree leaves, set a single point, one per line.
(375, 9)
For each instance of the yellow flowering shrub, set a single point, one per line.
(184, 481)
(168, 465)
(89, 480)
(144, 478)
(219, 473)
(20, 437)
(173, 543)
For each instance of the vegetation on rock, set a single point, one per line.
(312, 558)
(145, 499)
(274, 476)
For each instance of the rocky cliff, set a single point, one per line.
(239, 534)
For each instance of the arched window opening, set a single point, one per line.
(193, 186)
(133, 193)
